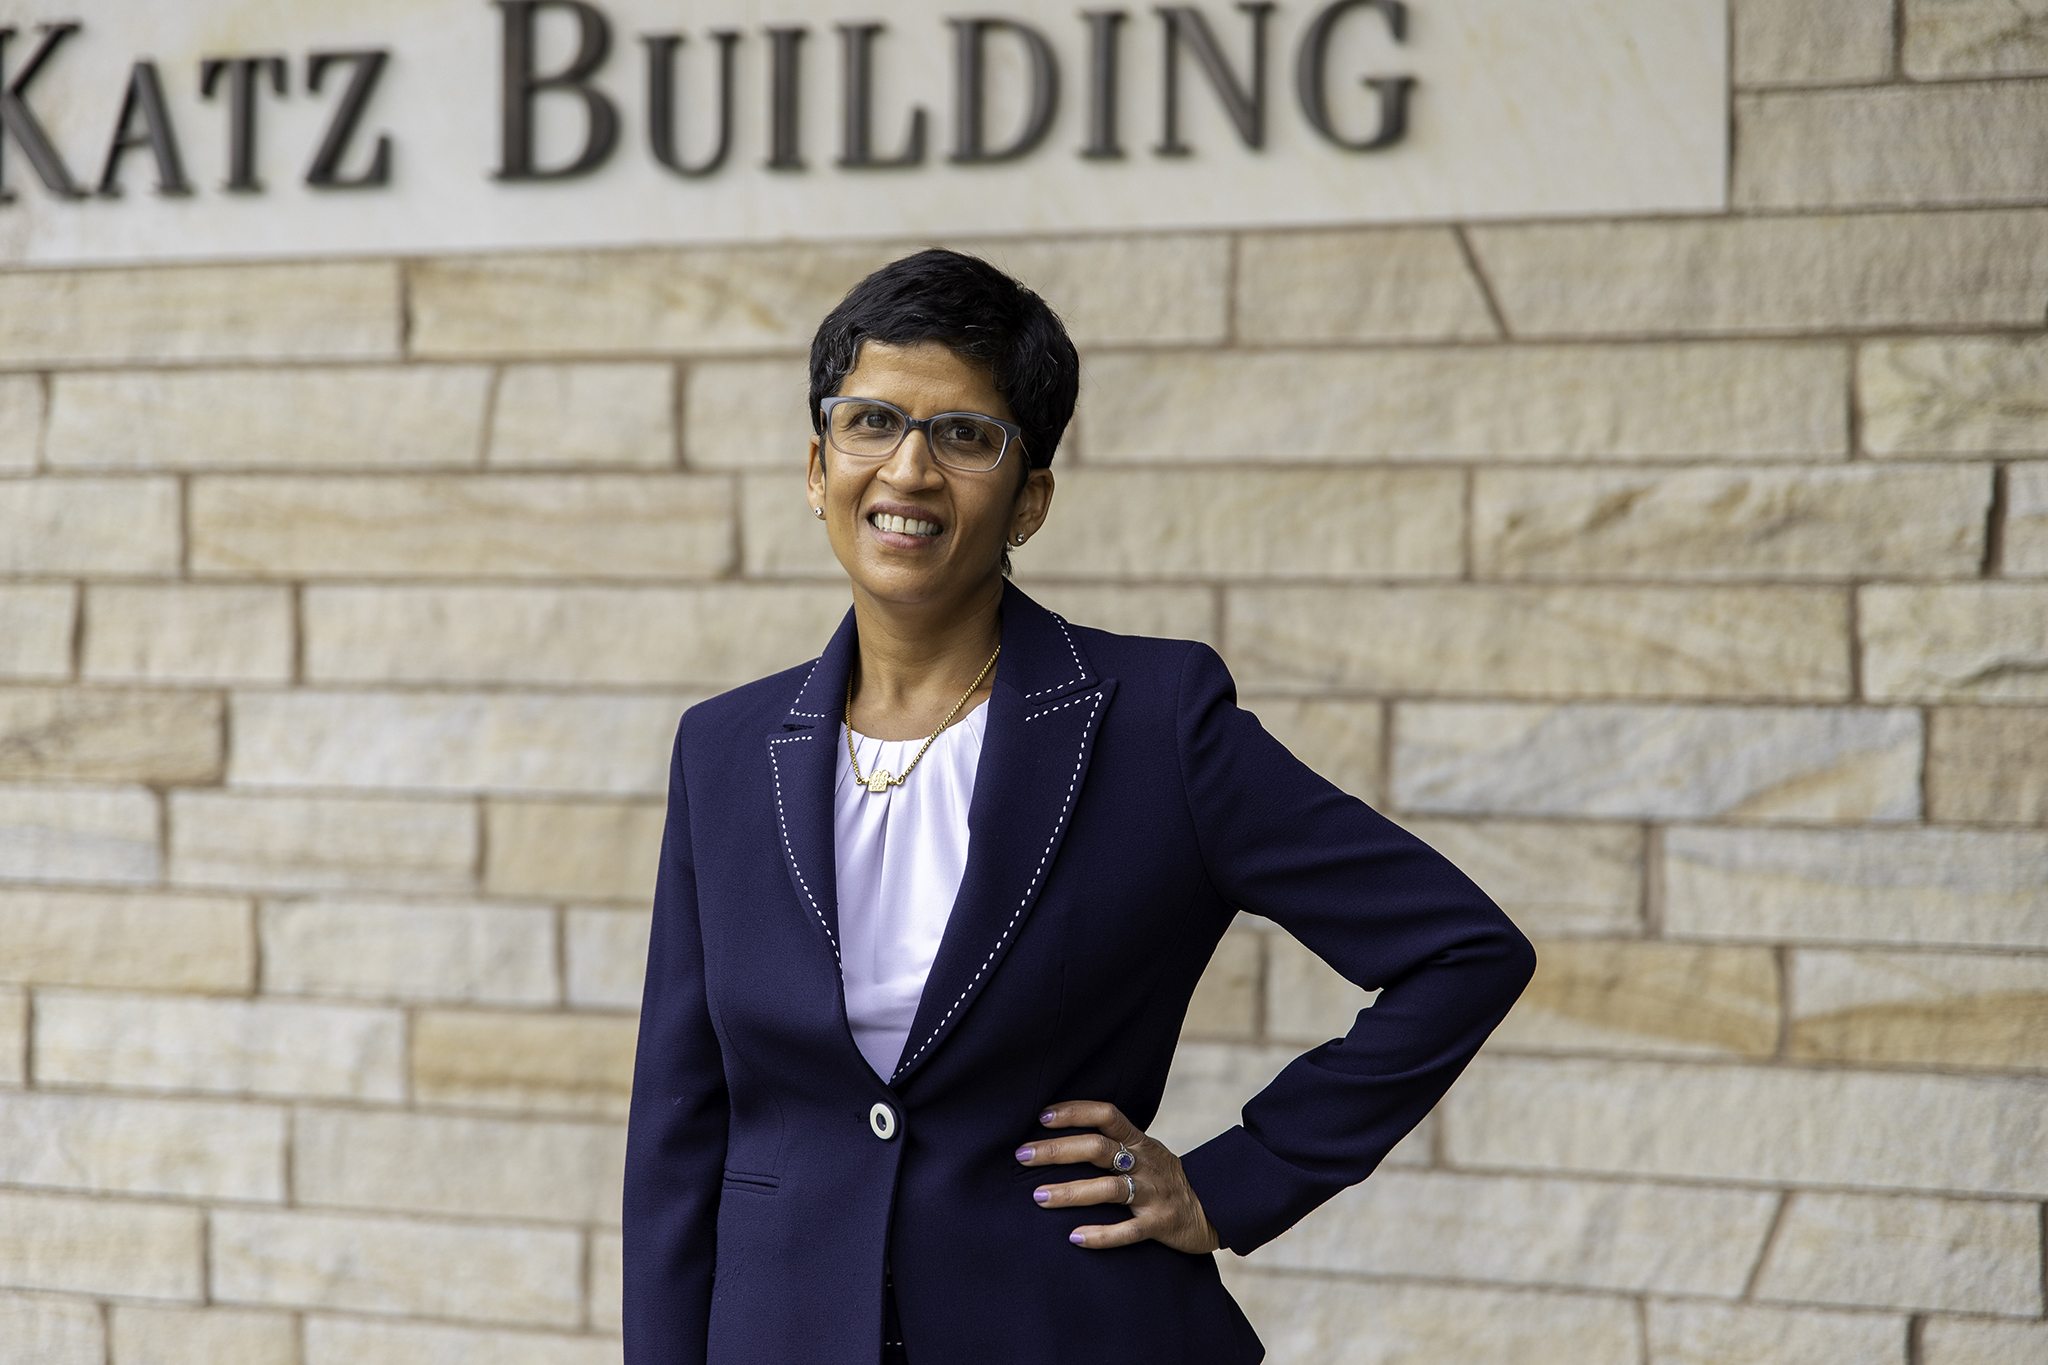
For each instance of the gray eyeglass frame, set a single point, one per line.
(1013, 435)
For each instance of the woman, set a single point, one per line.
(931, 908)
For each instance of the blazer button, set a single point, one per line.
(882, 1119)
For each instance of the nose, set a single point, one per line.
(911, 464)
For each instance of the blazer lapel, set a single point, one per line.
(1044, 713)
(801, 761)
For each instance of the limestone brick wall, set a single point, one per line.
(1685, 579)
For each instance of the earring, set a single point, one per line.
(818, 512)
(1017, 540)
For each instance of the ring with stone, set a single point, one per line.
(1123, 1163)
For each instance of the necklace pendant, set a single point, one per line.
(878, 781)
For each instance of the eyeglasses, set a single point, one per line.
(869, 429)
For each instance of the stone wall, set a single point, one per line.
(1686, 580)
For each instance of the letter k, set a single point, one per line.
(18, 119)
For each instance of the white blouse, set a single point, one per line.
(900, 855)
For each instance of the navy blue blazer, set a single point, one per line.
(1124, 810)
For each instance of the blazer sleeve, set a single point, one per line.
(676, 1133)
(1377, 904)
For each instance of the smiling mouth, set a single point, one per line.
(902, 526)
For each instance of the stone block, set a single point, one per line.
(351, 1341)
(611, 744)
(1953, 396)
(1306, 1000)
(1647, 998)
(148, 941)
(1963, 1341)
(1658, 762)
(1551, 876)
(89, 525)
(467, 1167)
(101, 1145)
(13, 1036)
(1337, 1321)
(602, 303)
(40, 619)
(100, 1246)
(584, 415)
(1988, 765)
(1738, 1334)
(1210, 1083)
(232, 1047)
(328, 310)
(1399, 284)
(553, 1063)
(319, 843)
(1341, 740)
(21, 421)
(779, 536)
(401, 1266)
(1175, 613)
(203, 1336)
(1640, 402)
(110, 735)
(605, 957)
(1751, 1124)
(79, 834)
(585, 850)
(1227, 998)
(1972, 1256)
(714, 636)
(186, 632)
(1123, 288)
(607, 1280)
(1810, 42)
(1254, 523)
(1438, 1225)
(1733, 643)
(1960, 642)
(412, 416)
(1890, 146)
(1911, 887)
(747, 414)
(1720, 275)
(2025, 551)
(502, 525)
(1816, 522)
(1920, 1009)
(49, 1330)
(490, 954)
(1974, 38)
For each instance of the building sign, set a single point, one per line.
(230, 128)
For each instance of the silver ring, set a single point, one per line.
(1124, 1161)
(1131, 1186)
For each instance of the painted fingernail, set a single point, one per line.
(1023, 1154)
(1046, 1117)
(1076, 1238)
(1041, 1196)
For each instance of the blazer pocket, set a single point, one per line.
(748, 1182)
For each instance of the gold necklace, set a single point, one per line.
(879, 780)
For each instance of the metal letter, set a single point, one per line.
(1311, 77)
(1247, 108)
(785, 128)
(969, 70)
(856, 129)
(341, 129)
(523, 86)
(661, 100)
(243, 74)
(17, 118)
(1102, 73)
(146, 97)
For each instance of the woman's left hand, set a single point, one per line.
(1165, 1208)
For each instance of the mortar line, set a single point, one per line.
(47, 384)
(487, 429)
(28, 1039)
(106, 1332)
(586, 1274)
(1898, 69)
(1651, 909)
(1642, 1305)
(1854, 428)
(678, 413)
(1479, 277)
(255, 946)
(1782, 958)
(1916, 1338)
(1926, 763)
(561, 929)
(405, 269)
(1855, 627)
(1233, 251)
(290, 1160)
(297, 592)
(1386, 763)
(2044, 1257)
(1993, 565)
(1468, 497)
(78, 624)
(184, 526)
(1763, 1254)
(206, 1258)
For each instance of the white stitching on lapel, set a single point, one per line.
(790, 852)
(1080, 669)
(1073, 785)
(808, 715)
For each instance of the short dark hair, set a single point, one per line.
(976, 311)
